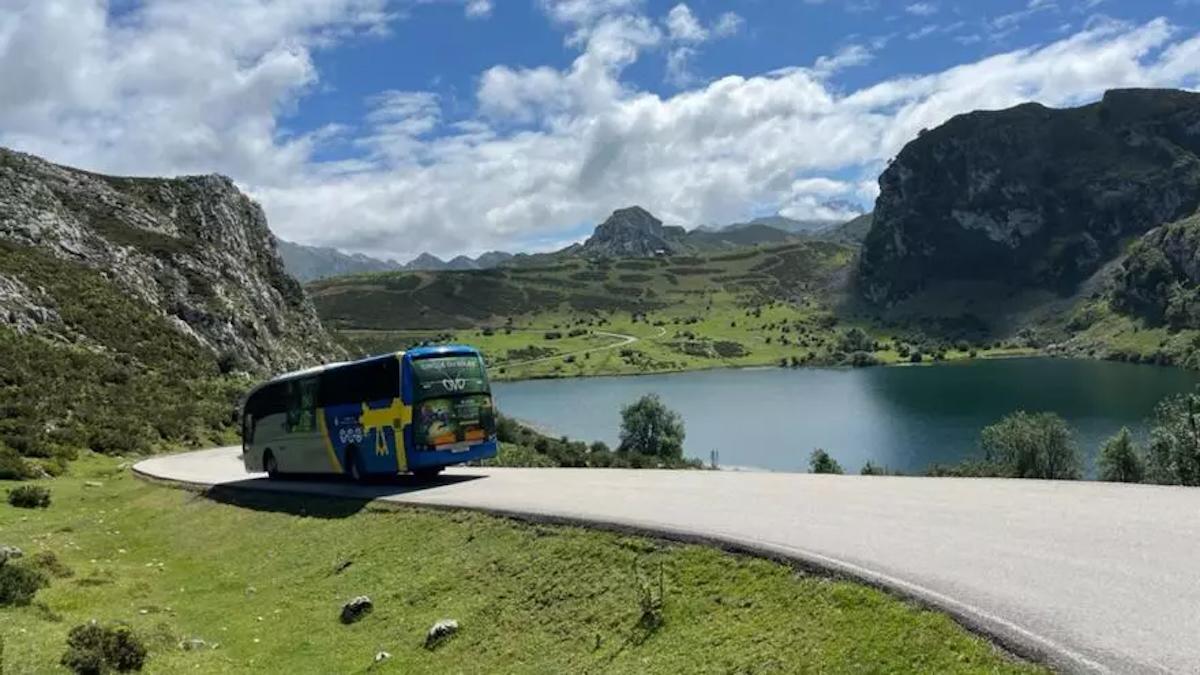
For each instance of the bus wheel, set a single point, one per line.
(271, 466)
(428, 473)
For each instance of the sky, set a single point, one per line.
(392, 127)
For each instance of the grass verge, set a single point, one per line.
(262, 582)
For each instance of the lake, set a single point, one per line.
(905, 418)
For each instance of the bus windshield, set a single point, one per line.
(449, 375)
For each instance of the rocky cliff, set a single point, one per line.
(630, 233)
(1032, 196)
(193, 252)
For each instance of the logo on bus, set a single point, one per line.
(455, 384)
(350, 435)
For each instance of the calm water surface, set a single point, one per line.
(904, 418)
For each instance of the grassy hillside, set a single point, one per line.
(256, 585)
(749, 307)
(132, 383)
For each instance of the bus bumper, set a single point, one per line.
(425, 460)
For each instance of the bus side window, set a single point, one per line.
(302, 405)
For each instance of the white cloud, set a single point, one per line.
(922, 9)
(166, 91)
(846, 57)
(682, 25)
(728, 24)
(478, 9)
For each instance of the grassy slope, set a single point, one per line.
(260, 582)
(128, 382)
(767, 304)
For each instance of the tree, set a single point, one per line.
(1024, 445)
(820, 462)
(1121, 460)
(1173, 457)
(856, 340)
(650, 428)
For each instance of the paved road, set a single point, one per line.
(1092, 576)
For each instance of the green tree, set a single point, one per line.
(1025, 445)
(650, 428)
(1121, 460)
(820, 462)
(856, 340)
(1173, 457)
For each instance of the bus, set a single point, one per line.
(416, 412)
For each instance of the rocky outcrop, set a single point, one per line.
(1032, 196)
(1159, 279)
(193, 250)
(630, 233)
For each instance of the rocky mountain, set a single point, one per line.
(192, 252)
(1031, 196)
(309, 263)
(630, 233)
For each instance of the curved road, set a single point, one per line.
(1090, 577)
(625, 340)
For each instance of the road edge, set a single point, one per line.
(1006, 635)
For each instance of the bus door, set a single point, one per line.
(302, 449)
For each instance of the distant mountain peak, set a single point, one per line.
(631, 232)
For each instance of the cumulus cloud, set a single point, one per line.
(165, 91)
(685, 32)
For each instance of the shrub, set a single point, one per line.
(29, 497)
(648, 427)
(855, 340)
(873, 469)
(93, 648)
(1025, 445)
(19, 583)
(49, 563)
(1121, 460)
(1173, 457)
(820, 462)
(13, 466)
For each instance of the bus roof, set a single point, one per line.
(416, 352)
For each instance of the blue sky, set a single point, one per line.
(392, 127)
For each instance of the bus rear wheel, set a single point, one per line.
(271, 466)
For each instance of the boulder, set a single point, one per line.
(440, 632)
(356, 609)
(9, 553)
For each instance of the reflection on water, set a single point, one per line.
(905, 418)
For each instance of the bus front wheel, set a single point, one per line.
(427, 473)
(270, 465)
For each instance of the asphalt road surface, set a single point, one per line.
(1089, 577)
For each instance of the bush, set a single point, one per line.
(29, 497)
(873, 469)
(1173, 457)
(13, 466)
(855, 340)
(92, 648)
(1121, 460)
(1025, 445)
(820, 462)
(650, 428)
(19, 583)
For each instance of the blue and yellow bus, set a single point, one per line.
(416, 412)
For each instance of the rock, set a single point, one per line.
(382, 656)
(195, 250)
(92, 484)
(440, 632)
(631, 233)
(192, 644)
(356, 609)
(10, 553)
(1031, 196)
